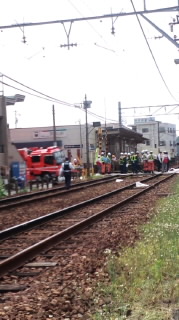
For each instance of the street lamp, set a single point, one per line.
(86, 105)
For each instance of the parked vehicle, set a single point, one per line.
(43, 164)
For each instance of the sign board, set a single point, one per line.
(70, 146)
(96, 124)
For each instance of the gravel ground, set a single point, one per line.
(68, 290)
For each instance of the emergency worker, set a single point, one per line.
(103, 163)
(121, 162)
(151, 162)
(66, 169)
(145, 160)
(159, 161)
(125, 163)
(108, 163)
(129, 163)
(135, 162)
(142, 159)
(99, 164)
(165, 161)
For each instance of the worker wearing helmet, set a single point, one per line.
(121, 162)
(67, 167)
(165, 161)
(99, 164)
(108, 163)
(135, 162)
(151, 162)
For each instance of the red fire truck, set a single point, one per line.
(43, 164)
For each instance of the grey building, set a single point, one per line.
(161, 135)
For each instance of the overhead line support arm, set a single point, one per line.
(121, 14)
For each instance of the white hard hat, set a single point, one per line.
(129, 154)
(121, 153)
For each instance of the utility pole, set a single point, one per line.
(145, 5)
(120, 126)
(54, 127)
(86, 105)
(81, 156)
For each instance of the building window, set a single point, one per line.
(161, 129)
(162, 143)
(145, 130)
(148, 143)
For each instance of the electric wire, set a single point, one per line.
(152, 52)
(49, 97)
(46, 97)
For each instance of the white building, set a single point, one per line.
(161, 135)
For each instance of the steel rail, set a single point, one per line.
(31, 252)
(28, 197)
(25, 226)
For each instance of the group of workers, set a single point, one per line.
(134, 162)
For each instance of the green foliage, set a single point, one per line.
(2, 189)
(145, 279)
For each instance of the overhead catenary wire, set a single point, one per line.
(104, 16)
(58, 101)
(46, 97)
(43, 94)
(152, 52)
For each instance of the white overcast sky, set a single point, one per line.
(107, 68)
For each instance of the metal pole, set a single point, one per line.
(145, 5)
(54, 127)
(87, 148)
(81, 156)
(87, 104)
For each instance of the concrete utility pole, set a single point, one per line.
(86, 105)
(120, 126)
(54, 127)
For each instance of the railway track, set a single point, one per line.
(28, 240)
(10, 202)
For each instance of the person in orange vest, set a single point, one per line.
(103, 162)
(151, 162)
